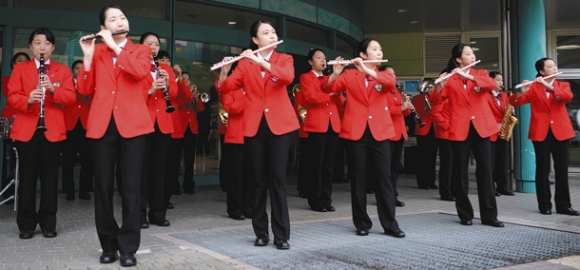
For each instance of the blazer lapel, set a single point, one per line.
(361, 78)
(542, 92)
(106, 57)
(463, 90)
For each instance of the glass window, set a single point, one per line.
(573, 107)
(486, 49)
(345, 45)
(152, 9)
(568, 51)
(217, 16)
(308, 34)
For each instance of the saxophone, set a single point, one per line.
(301, 110)
(508, 122)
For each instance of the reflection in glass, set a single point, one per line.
(487, 50)
(568, 51)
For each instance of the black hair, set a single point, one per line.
(42, 31)
(363, 46)
(494, 73)
(540, 65)
(163, 54)
(104, 12)
(312, 52)
(456, 52)
(16, 56)
(75, 63)
(254, 32)
(185, 72)
(146, 34)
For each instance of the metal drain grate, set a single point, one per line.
(434, 241)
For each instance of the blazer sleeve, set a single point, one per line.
(86, 80)
(562, 92)
(17, 97)
(65, 93)
(312, 89)
(283, 69)
(135, 63)
(519, 101)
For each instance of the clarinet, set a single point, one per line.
(413, 112)
(168, 107)
(41, 75)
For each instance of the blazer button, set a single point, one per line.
(116, 108)
(157, 110)
(473, 117)
(266, 110)
(330, 113)
(155, 98)
(552, 122)
(80, 106)
(112, 92)
(326, 103)
(386, 108)
(370, 117)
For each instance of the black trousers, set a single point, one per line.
(232, 176)
(129, 152)
(481, 148)
(269, 155)
(338, 174)
(153, 185)
(559, 151)
(322, 167)
(38, 159)
(445, 167)
(378, 154)
(189, 145)
(8, 166)
(76, 142)
(304, 165)
(396, 153)
(173, 168)
(500, 157)
(428, 159)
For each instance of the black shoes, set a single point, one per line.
(161, 222)
(493, 223)
(546, 212)
(568, 211)
(399, 203)
(505, 192)
(26, 235)
(190, 191)
(177, 192)
(433, 186)
(238, 215)
(49, 233)
(395, 233)
(108, 256)
(281, 244)
(448, 198)
(362, 232)
(466, 222)
(497, 194)
(127, 259)
(144, 224)
(330, 208)
(84, 196)
(262, 241)
(318, 209)
(169, 206)
(70, 196)
(424, 187)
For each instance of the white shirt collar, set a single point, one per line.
(47, 62)
(267, 58)
(317, 75)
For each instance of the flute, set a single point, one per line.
(237, 58)
(465, 68)
(98, 36)
(348, 62)
(530, 82)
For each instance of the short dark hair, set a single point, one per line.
(163, 54)
(494, 73)
(42, 31)
(104, 12)
(146, 34)
(313, 51)
(16, 56)
(76, 63)
(185, 72)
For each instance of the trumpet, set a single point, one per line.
(348, 62)
(168, 106)
(530, 82)
(204, 97)
(465, 68)
(93, 36)
(41, 75)
(237, 58)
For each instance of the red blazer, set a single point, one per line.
(117, 90)
(188, 115)
(497, 110)
(547, 112)
(321, 107)
(299, 100)
(156, 103)
(467, 106)
(395, 102)
(267, 96)
(183, 94)
(79, 109)
(366, 105)
(234, 103)
(440, 115)
(24, 79)
(421, 108)
(8, 111)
